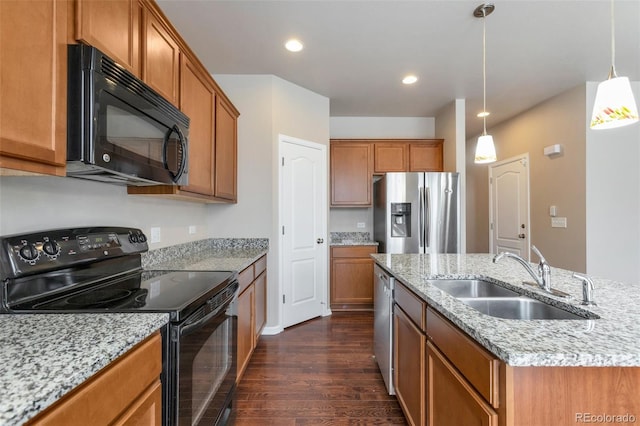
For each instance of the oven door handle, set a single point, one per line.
(188, 328)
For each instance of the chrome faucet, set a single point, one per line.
(542, 278)
(587, 289)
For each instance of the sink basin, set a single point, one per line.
(472, 288)
(523, 308)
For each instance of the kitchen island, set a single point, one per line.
(534, 372)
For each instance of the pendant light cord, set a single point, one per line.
(612, 72)
(484, 73)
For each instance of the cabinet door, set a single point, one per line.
(245, 328)
(146, 410)
(426, 156)
(113, 26)
(390, 157)
(198, 102)
(451, 401)
(351, 278)
(260, 286)
(351, 174)
(409, 345)
(226, 151)
(351, 283)
(160, 58)
(33, 86)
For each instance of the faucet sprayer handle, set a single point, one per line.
(537, 252)
(587, 289)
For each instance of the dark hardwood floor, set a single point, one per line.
(321, 372)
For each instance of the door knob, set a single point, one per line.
(320, 241)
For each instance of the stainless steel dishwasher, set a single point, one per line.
(383, 324)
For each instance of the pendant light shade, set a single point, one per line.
(615, 105)
(485, 149)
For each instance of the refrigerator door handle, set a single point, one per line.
(427, 202)
(421, 215)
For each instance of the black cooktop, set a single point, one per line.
(176, 292)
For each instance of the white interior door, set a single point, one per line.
(303, 203)
(509, 206)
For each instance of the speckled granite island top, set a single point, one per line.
(611, 340)
(43, 357)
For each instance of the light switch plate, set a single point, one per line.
(558, 222)
(192, 229)
(360, 224)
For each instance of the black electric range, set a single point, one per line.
(99, 269)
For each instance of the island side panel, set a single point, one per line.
(559, 396)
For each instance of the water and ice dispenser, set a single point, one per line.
(400, 219)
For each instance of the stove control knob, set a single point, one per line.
(28, 252)
(142, 238)
(133, 238)
(51, 248)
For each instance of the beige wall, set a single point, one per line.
(559, 181)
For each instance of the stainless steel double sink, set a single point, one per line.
(497, 301)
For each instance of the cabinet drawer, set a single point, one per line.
(477, 365)
(260, 265)
(245, 278)
(411, 304)
(353, 251)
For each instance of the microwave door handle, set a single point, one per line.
(183, 149)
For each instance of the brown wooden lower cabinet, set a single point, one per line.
(126, 392)
(451, 400)
(467, 385)
(252, 310)
(409, 367)
(352, 278)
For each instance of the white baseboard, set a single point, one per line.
(270, 331)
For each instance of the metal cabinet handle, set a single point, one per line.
(320, 241)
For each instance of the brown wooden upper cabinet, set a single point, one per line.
(355, 161)
(420, 155)
(226, 151)
(198, 101)
(351, 173)
(113, 26)
(426, 156)
(160, 56)
(33, 87)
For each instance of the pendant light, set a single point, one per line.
(485, 149)
(615, 105)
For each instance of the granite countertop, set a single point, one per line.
(43, 357)
(208, 255)
(351, 239)
(611, 340)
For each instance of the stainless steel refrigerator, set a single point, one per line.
(417, 213)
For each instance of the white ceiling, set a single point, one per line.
(357, 51)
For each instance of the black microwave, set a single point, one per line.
(119, 130)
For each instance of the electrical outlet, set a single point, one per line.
(155, 235)
(360, 225)
(558, 222)
(192, 229)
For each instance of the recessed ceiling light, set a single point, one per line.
(410, 79)
(482, 114)
(293, 45)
